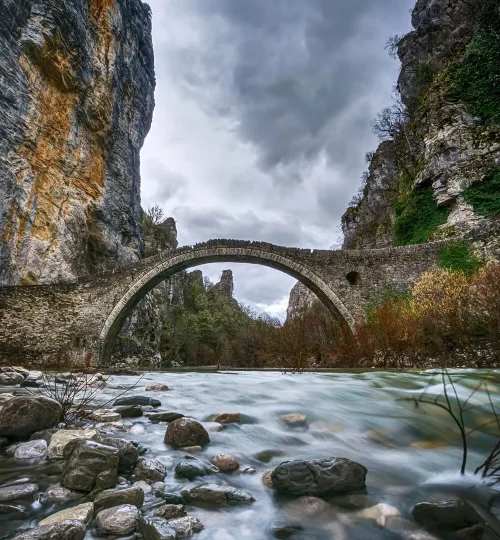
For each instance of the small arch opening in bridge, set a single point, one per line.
(353, 278)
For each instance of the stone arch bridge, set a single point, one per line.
(67, 322)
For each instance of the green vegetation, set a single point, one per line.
(458, 256)
(485, 196)
(425, 74)
(417, 217)
(476, 81)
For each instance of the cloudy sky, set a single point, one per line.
(262, 121)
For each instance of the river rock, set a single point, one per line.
(34, 375)
(164, 416)
(127, 452)
(17, 491)
(64, 530)
(45, 434)
(225, 462)
(186, 432)
(4, 397)
(14, 511)
(194, 468)
(137, 400)
(173, 498)
(283, 532)
(91, 465)
(82, 512)
(36, 449)
(11, 378)
(105, 415)
(192, 449)
(156, 529)
(267, 479)
(294, 419)
(157, 388)
(169, 511)
(58, 493)
(305, 507)
(447, 515)
(21, 416)
(186, 526)
(144, 486)
(130, 411)
(215, 495)
(227, 418)
(319, 477)
(116, 497)
(149, 470)
(60, 439)
(118, 520)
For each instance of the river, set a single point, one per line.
(412, 454)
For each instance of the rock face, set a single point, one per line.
(300, 299)
(21, 416)
(186, 432)
(77, 107)
(319, 477)
(91, 465)
(445, 147)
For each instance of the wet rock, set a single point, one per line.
(149, 470)
(145, 487)
(36, 449)
(11, 378)
(137, 400)
(17, 491)
(156, 529)
(58, 493)
(127, 452)
(173, 498)
(192, 449)
(194, 468)
(105, 415)
(118, 520)
(248, 470)
(14, 511)
(186, 526)
(158, 487)
(470, 533)
(445, 515)
(61, 439)
(267, 479)
(22, 416)
(225, 462)
(294, 419)
(305, 507)
(285, 531)
(186, 432)
(215, 495)
(169, 511)
(164, 416)
(227, 418)
(319, 477)
(91, 465)
(117, 497)
(45, 434)
(30, 384)
(82, 512)
(130, 411)
(34, 375)
(267, 455)
(64, 530)
(157, 388)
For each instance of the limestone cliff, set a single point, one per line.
(76, 102)
(437, 173)
(300, 299)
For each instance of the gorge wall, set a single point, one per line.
(77, 97)
(436, 175)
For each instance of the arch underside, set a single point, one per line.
(185, 260)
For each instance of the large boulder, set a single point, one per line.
(127, 452)
(186, 432)
(91, 465)
(215, 495)
(62, 438)
(156, 529)
(21, 416)
(83, 512)
(319, 477)
(117, 497)
(137, 400)
(64, 530)
(149, 470)
(118, 520)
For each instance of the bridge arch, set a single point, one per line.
(178, 260)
